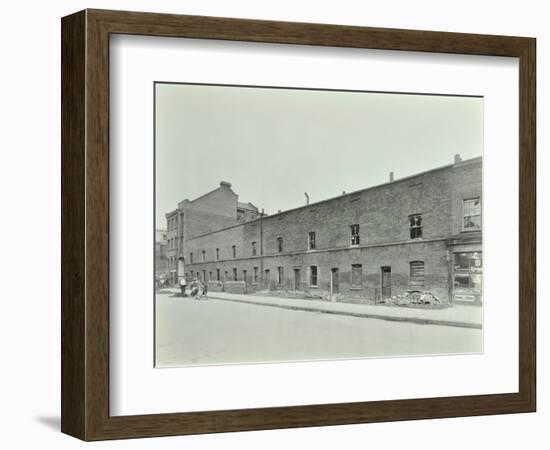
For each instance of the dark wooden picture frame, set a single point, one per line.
(85, 224)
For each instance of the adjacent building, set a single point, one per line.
(161, 244)
(215, 210)
(422, 232)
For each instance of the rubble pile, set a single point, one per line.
(416, 298)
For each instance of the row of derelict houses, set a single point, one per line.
(418, 233)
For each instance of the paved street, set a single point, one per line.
(191, 332)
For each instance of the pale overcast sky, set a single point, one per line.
(275, 144)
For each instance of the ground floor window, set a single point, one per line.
(416, 275)
(217, 274)
(313, 276)
(244, 276)
(235, 274)
(467, 274)
(255, 274)
(280, 275)
(356, 275)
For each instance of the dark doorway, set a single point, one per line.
(386, 282)
(296, 279)
(335, 279)
(267, 279)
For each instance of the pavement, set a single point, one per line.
(463, 316)
(214, 331)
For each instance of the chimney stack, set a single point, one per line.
(391, 177)
(457, 158)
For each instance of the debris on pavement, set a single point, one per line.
(424, 299)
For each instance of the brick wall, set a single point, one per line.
(466, 184)
(382, 213)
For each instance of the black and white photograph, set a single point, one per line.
(301, 224)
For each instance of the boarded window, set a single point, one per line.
(356, 275)
(416, 276)
(355, 234)
(415, 225)
(313, 276)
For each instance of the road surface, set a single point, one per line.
(204, 332)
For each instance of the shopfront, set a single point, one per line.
(467, 276)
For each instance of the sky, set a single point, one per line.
(273, 145)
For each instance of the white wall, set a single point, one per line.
(30, 225)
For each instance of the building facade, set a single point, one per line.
(161, 244)
(421, 232)
(215, 210)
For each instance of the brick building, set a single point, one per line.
(161, 243)
(215, 210)
(422, 232)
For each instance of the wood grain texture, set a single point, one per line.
(85, 224)
(72, 224)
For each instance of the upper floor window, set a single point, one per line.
(355, 234)
(234, 251)
(311, 241)
(203, 255)
(191, 257)
(415, 226)
(254, 249)
(472, 214)
(279, 244)
(217, 255)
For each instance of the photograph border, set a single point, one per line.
(85, 224)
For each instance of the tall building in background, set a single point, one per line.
(161, 243)
(215, 210)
